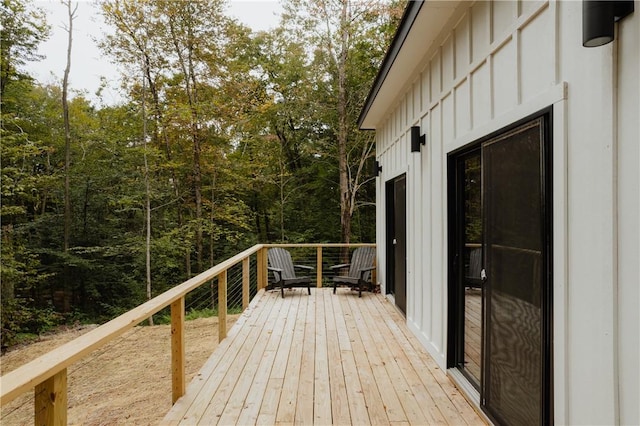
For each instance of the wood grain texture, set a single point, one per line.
(321, 359)
(51, 401)
(177, 350)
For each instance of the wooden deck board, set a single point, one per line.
(321, 359)
(259, 392)
(446, 396)
(250, 377)
(288, 398)
(305, 393)
(418, 389)
(338, 388)
(214, 368)
(209, 404)
(361, 343)
(321, 386)
(393, 357)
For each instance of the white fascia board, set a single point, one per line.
(404, 56)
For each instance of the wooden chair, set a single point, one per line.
(283, 269)
(472, 276)
(359, 275)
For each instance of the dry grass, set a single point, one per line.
(127, 382)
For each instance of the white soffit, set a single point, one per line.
(426, 27)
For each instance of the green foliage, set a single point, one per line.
(23, 29)
(21, 321)
(201, 313)
(241, 147)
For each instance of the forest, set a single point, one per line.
(225, 138)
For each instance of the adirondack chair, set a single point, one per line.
(359, 275)
(283, 270)
(472, 277)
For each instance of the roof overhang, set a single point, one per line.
(421, 24)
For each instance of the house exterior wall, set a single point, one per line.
(494, 64)
(628, 216)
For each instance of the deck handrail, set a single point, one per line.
(47, 374)
(35, 372)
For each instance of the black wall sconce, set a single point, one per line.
(417, 139)
(377, 168)
(598, 18)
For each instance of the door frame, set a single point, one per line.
(455, 269)
(391, 212)
(456, 273)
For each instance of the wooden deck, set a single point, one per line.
(321, 359)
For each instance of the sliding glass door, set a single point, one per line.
(500, 264)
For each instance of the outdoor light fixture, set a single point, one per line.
(377, 168)
(417, 139)
(598, 17)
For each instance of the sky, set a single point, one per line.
(87, 63)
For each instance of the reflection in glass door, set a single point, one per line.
(470, 255)
(473, 266)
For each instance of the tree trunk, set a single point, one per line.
(197, 172)
(67, 131)
(85, 209)
(212, 241)
(345, 198)
(147, 186)
(67, 154)
(282, 199)
(161, 130)
(191, 91)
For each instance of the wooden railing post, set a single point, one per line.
(261, 266)
(222, 305)
(177, 349)
(319, 263)
(245, 283)
(51, 400)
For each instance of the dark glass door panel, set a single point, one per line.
(400, 243)
(470, 252)
(390, 227)
(514, 242)
(396, 209)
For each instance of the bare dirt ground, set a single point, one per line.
(126, 382)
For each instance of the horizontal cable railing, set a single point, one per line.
(225, 289)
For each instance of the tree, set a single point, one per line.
(138, 25)
(226, 138)
(147, 187)
(23, 29)
(185, 47)
(347, 41)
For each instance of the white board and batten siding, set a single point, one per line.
(628, 218)
(493, 64)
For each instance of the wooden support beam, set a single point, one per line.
(177, 350)
(51, 400)
(319, 266)
(245, 283)
(222, 305)
(265, 264)
(261, 266)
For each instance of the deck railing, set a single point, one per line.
(47, 375)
